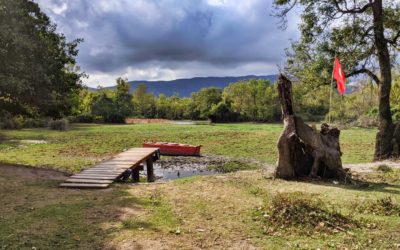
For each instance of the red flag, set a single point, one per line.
(338, 75)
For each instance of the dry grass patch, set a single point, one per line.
(301, 213)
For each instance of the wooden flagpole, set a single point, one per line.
(330, 94)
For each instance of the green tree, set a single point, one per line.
(144, 102)
(104, 105)
(254, 100)
(38, 75)
(223, 112)
(123, 99)
(365, 34)
(203, 100)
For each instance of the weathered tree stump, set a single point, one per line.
(303, 151)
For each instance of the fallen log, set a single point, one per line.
(303, 151)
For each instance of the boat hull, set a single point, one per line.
(174, 148)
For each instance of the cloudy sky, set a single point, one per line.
(170, 39)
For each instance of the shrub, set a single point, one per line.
(12, 122)
(35, 122)
(82, 118)
(61, 124)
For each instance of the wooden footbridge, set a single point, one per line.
(105, 173)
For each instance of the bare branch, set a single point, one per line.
(282, 14)
(365, 71)
(352, 11)
(393, 41)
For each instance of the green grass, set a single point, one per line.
(197, 212)
(84, 145)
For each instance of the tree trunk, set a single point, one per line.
(302, 150)
(384, 138)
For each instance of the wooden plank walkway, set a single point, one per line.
(105, 173)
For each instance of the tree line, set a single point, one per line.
(253, 100)
(243, 101)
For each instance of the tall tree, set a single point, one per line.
(123, 99)
(144, 102)
(38, 73)
(365, 34)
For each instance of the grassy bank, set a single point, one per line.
(84, 145)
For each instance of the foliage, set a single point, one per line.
(310, 59)
(144, 102)
(113, 106)
(255, 100)
(173, 108)
(366, 37)
(223, 112)
(7, 121)
(203, 100)
(38, 73)
(60, 124)
(123, 99)
(104, 106)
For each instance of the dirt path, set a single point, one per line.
(371, 166)
(31, 173)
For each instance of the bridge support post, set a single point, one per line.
(150, 171)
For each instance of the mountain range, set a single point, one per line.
(185, 87)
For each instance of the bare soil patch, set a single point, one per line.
(30, 173)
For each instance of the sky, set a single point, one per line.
(172, 39)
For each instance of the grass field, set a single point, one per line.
(230, 211)
(84, 145)
(214, 212)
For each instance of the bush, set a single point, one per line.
(35, 122)
(19, 122)
(83, 118)
(114, 118)
(60, 125)
(12, 122)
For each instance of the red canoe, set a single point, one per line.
(168, 148)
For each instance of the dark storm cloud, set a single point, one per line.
(136, 33)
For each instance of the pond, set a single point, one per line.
(170, 168)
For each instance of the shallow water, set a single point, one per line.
(179, 171)
(29, 141)
(172, 174)
(184, 122)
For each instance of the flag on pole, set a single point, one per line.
(338, 75)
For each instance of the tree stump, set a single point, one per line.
(303, 151)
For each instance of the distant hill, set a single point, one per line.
(185, 87)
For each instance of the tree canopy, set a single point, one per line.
(38, 72)
(366, 36)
